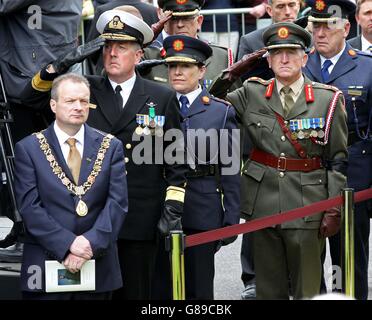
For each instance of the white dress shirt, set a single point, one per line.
(63, 136)
(126, 87)
(334, 59)
(365, 44)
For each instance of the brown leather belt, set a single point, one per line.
(286, 164)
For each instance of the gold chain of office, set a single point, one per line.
(81, 190)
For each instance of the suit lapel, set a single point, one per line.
(53, 142)
(343, 65)
(106, 97)
(136, 100)
(91, 145)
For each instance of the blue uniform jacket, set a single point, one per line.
(48, 208)
(203, 208)
(352, 75)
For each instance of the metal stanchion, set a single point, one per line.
(347, 242)
(177, 264)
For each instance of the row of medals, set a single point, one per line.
(306, 134)
(152, 129)
(307, 128)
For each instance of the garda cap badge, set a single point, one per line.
(283, 33)
(181, 1)
(116, 23)
(320, 5)
(178, 45)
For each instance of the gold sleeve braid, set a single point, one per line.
(41, 85)
(175, 193)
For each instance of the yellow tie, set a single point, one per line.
(288, 100)
(74, 159)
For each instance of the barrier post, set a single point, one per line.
(177, 246)
(347, 242)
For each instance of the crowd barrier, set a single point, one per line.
(178, 241)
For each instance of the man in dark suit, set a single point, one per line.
(363, 16)
(335, 63)
(212, 194)
(71, 191)
(279, 11)
(132, 109)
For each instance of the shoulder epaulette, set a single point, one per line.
(324, 86)
(211, 44)
(363, 53)
(257, 79)
(221, 100)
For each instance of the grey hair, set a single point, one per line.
(73, 77)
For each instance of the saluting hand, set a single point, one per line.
(81, 247)
(158, 27)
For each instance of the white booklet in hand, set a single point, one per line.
(59, 279)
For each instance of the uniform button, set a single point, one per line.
(218, 190)
(281, 174)
(282, 138)
(126, 160)
(282, 154)
(364, 152)
(126, 172)
(259, 124)
(128, 146)
(320, 180)
(245, 171)
(286, 122)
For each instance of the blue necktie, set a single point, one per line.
(184, 102)
(325, 73)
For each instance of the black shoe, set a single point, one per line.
(15, 235)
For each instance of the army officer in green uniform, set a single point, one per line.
(299, 134)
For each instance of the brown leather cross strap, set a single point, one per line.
(300, 151)
(286, 164)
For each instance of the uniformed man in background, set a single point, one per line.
(186, 20)
(299, 135)
(334, 62)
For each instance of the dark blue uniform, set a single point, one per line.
(204, 207)
(352, 75)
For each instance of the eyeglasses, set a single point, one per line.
(185, 19)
